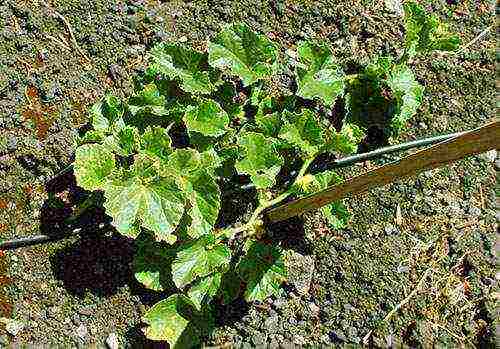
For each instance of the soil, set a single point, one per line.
(437, 257)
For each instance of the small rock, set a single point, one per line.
(85, 311)
(259, 338)
(112, 341)
(271, 324)
(301, 269)
(82, 332)
(490, 156)
(4, 340)
(474, 211)
(390, 229)
(13, 327)
(403, 269)
(11, 144)
(299, 340)
(313, 308)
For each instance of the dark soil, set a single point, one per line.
(342, 283)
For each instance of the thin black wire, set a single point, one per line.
(343, 162)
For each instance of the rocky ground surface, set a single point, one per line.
(426, 243)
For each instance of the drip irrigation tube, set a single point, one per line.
(343, 162)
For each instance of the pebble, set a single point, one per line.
(112, 341)
(259, 338)
(490, 156)
(301, 272)
(13, 327)
(82, 331)
(474, 211)
(390, 229)
(299, 340)
(313, 308)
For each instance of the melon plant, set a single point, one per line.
(200, 123)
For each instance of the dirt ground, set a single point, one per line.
(437, 258)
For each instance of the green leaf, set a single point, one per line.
(210, 160)
(269, 124)
(144, 200)
(93, 163)
(336, 214)
(318, 76)
(184, 161)
(408, 94)
(243, 53)
(260, 161)
(149, 100)
(198, 259)
(303, 131)
(152, 264)
(207, 118)
(156, 141)
(346, 141)
(230, 100)
(263, 269)
(203, 195)
(124, 141)
(106, 115)
(202, 292)
(230, 286)
(165, 321)
(185, 65)
(425, 33)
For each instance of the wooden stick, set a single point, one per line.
(473, 142)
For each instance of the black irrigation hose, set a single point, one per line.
(40, 239)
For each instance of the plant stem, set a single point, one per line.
(265, 205)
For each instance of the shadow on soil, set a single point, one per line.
(101, 260)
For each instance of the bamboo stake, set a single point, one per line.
(473, 142)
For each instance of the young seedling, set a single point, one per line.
(199, 120)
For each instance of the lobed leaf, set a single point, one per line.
(198, 259)
(185, 65)
(260, 161)
(408, 94)
(425, 33)
(263, 269)
(106, 115)
(155, 141)
(318, 76)
(93, 163)
(202, 292)
(152, 264)
(303, 131)
(207, 118)
(149, 100)
(204, 198)
(241, 52)
(156, 204)
(165, 321)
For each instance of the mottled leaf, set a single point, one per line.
(106, 115)
(303, 131)
(184, 161)
(144, 200)
(156, 141)
(408, 94)
(241, 52)
(318, 75)
(202, 292)
(425, 32)
(165, 322)
(203, 195)
(260, 160)
(185, 65)
(336, 215)
(207, 118)
(93, 163)
(149, 100)
(346, 141)
(152, 264)
(263, 270)
(198, 259)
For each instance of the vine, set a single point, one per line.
(201, 122)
